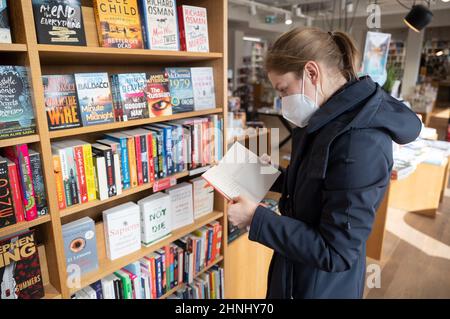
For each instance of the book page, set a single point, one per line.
(241, 172)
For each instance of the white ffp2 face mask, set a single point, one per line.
(299, 108)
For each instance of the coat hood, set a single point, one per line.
(367, 105)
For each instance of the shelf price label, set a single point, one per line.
(164, 183)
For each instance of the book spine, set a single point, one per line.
(181, 26)
(38, 184)
(161, 155)
(132, 162)
(73, 183)
(65, 176)
(159, 282)
(151, 163)
(117, 177)
(28, 188)
(169, 147)
(140, 174)
(102, 180)
(125, 165)
(81, 173)
(110, 173)
(15, 190)
(175, 159)
(144, 158)
(180, 148)
(142, 5)
(210, 246)
(89, 172)
(7, 215)
(114, 91)
(153, 278)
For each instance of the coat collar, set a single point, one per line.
(348, 96)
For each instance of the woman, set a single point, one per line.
(340, 167)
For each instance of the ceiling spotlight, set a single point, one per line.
(445, 0)
(418, 18)
(439, 53)
(288, 19)
(253, 10)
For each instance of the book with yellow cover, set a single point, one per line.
(118, 24)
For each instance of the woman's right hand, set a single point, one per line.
(265, 159)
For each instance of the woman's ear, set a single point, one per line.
(312, 72)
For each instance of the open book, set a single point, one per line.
(241, 172)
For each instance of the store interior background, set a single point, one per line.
(415, 254)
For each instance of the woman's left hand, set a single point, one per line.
(241, 211)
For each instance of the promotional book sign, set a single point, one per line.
(375, 56)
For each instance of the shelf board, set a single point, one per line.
(81, 207)
(19, 140)
(24, 225)
(13, 47)
(123, 125)
(51, 292)
(63, 54)
(174, 289)
(107, 267)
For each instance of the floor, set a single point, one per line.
(416, 256)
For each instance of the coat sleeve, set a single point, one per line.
(357, 176)
(277, 187)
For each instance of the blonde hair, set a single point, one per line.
(293, 49)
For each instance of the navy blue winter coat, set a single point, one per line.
(339, 171)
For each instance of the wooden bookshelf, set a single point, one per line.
(107, 267)
(123, 125)
(19, 140)
(60, 59)
(13, 47)
(24, 225)
(180, 286)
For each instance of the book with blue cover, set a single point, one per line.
(94, 96)
(80, 245)
(16, 109)
(131, 96)
(181, 90)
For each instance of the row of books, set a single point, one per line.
(95, 98)
(129, 226)
(132, 24)
(126, 159)
(150, 277)
(125, 284)
(209, 285)
(22, 190)
(21, 276)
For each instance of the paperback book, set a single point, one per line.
(158, 94)
(193, 28)
(59, 22)
(16, 109)
(118, 24)
(131, 96)
(180, 84)
(61, 102)
(155, 217)
(203, 87)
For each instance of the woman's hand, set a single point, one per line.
(241, 211)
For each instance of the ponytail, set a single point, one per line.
(349, 53)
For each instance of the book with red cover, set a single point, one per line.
(19, 155)
(7, 216)
(16, 192)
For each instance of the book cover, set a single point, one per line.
(59, 22)
(19, 155)
(132, 161)
(193, 28)
(143, 157)
(61, 102)
(127, 289)
(80, 245)
(118, 24)
(75, 151)
(155, 217)
(180, 84)
(115, 148)
(135, 269)
(38, 182)
(122, 230)
(203, 87)
(160, 25)
(101, 182)
(181, 209)
(13, 177)
(5, 31)
(94, 97)
(20, 271)
(7, 215)
(168, 147)
(16, 109)
(131, 95)
(158, 94)
(97, 286)
(73, 180)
